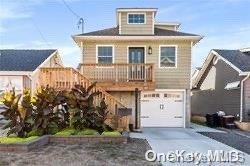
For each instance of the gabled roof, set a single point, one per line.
(237, 59)
(115, 32)
(23, 60)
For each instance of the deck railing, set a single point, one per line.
(67, 78)
(118, 72)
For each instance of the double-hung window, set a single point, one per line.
(105, 54)
(168, 56)
(136, 18)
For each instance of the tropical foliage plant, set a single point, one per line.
(50, 111)
(19, 117)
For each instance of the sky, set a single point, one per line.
(46, 24)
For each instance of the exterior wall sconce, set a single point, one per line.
(149, 50)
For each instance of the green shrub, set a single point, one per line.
(66, 132)
(88, 132)
(111, 134)
(35, 132)
(8, 140)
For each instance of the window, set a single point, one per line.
(168, 56)
(105, 54)
(136, 18)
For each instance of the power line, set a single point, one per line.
(81, 20)
(70, 9)
(38, 29)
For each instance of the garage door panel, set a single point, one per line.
(162, 109)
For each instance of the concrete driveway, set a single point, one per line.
(164, 140)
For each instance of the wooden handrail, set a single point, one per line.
(66, 78)
(119, 72)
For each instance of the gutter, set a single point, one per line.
(241, 96)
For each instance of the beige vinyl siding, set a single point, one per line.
(167, 78)
(146, 28)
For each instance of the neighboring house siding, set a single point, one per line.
(212, 100)
(246, 101)
(166, 78)
(136, 28)
(15, 81)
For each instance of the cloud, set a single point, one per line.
(11, 10)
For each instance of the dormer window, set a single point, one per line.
(135, 18)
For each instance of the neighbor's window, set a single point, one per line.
(167, 56)
(136, 18)
(105, 54)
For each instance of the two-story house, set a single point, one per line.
(144, 64)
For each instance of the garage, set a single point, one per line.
(163, 109)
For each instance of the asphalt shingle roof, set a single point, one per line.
(115, 32)
(22, 60)
(239, 59)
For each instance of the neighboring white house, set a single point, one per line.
(19, 68)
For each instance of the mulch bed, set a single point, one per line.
(88, 154)
(232, 139)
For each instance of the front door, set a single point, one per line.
(136, 55)
(136, 59)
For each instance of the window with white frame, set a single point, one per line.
(105, 54)
(136, 18)
(168, 56)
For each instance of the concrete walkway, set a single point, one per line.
(164, 140)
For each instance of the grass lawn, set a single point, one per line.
(102, 154)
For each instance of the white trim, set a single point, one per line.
(175, 24)
(15, 73)
(190, 77)
(241, 96)
(176, 57)
(209, 58)
(145, 18)
(143, 38)
(168, 23)
(185, 106)
(245, 49)
(136, 10)
(153, 23)
(232, 85)
(229, 63)
(120, 23)
(106, 45)
(81, 49)
(139, 46)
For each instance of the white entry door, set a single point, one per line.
(162, 109)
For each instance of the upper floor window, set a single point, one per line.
(136, 18)
(168, 56)
(105, 54)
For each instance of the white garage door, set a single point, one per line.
(162, 109)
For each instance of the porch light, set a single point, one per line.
(149, 50)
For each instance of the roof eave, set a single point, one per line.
(192, 38)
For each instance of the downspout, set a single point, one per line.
(241, 96)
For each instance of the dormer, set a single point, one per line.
(136, 21)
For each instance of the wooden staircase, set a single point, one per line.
(65, 78)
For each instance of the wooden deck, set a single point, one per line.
(121, 77)
(66, 78)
